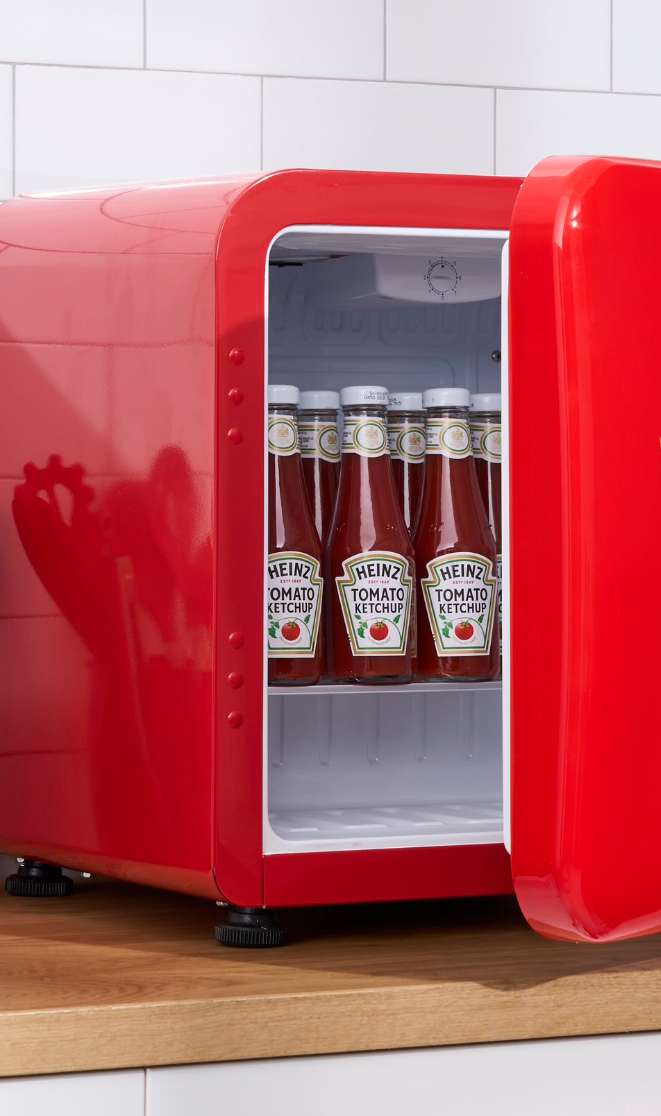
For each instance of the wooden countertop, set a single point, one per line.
(122, 976)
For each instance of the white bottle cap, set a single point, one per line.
(446, 397)
(368, 396)
(489, 401)
(284, 394)
(319, 401)
(405, 401)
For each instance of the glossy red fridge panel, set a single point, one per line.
(131, 448)
(585, 405)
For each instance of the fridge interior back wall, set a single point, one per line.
(406, 766)
(135, 348)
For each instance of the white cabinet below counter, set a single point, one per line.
(118, 1093)
(614, 1075)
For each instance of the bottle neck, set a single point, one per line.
(282, 436)
(365, 433)
(486, 436)
(448, 434)
(317, 416)
(410, 418)
(317, 436)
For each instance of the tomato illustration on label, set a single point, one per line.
(378, 630)
(291, 630)
(463, 630)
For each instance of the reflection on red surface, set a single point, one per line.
(107, 337)
(136, 585)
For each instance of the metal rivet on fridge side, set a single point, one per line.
(237, 356)
(235, 436)
(495, 356)
(235, 719)
(235, 679)
(235, 396)
(236, 640)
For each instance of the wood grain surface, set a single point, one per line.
(121, 976)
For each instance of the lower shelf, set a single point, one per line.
(457, 823)
(324, 688)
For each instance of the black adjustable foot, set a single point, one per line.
(251, 928)
(40, 880)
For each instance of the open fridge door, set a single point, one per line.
(585, 535)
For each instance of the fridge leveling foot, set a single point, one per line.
(39, 880)
(250, 928)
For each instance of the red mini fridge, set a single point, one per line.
(140, 325)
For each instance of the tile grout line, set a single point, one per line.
(385, 40)
(495, 125)
(315, 77)
(13, 131)
(611, 44)
(144, 34)
(261, 123)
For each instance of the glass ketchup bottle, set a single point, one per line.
(293, 576)
(406, 437)
(320, 453)
(368, 561)
(455, 552)
(487, 444)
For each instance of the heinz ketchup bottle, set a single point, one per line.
(487, 444)
(406, 437)
(455, 552)
(320, 453)
(293, 577)
(368, 560)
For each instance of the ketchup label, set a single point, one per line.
(451, 437)
(282, 435)
(366, 436)
(319, 439)
(460, 597)
(293, 601)
(487, 441)
(499, 570)
(407, 442)
(375, 595)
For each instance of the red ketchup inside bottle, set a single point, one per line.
(455, 552)
(368, 560)
(320, 453)
(487, 444)
(406, 436)
(293, 578)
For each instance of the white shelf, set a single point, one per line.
(447, 823)
(325, 689)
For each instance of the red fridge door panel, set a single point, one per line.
(585, 488)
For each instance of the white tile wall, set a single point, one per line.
(377, 126)
(80, 127)
(556, 44)
(531, 125)
(311, 38)
(636, 39)
(146, 89)
(73, 32)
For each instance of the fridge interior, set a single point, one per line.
(354, 767)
